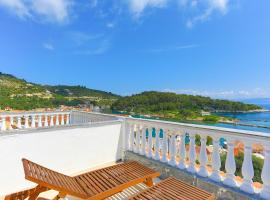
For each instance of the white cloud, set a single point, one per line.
(93, 3)
(138, 6)
(81, 38)
(45, 10)
(101, 48)
(48, 46)
(110, 25)
(174, 48)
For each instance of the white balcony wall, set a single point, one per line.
(68, 150)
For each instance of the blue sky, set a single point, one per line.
(218, 48)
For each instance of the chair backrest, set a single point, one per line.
(52, 180)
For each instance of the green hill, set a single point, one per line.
(19, 94)
(171, 105)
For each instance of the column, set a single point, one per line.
(57, 120)
(3, 127)
(33, 121)
(203, 158)
(131, 138)
(62, 119)
(11, 121)
(26, 121)
(192, 154)
(182, 152)
(142, 151)
(46, 121)
(149, 155)
(247, 169)
(67, 120)
(230, 165)
(51, 121)
(157, 156)
(19, 122)
(265, 192)
(164, 146)
(137, 139)
(172, 152)
(40, 121)
(215, 176)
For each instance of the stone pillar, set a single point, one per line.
(182, 152)
(67, 120)
(164, 146)
(57, 120)
(149, 154)
(137, 139)
(247, 169)
(11, 122)
(46, 121)
(230, 165)
(33, 121)
(51, 121)
(215, 176)
(4, 126)
(142, 151)
(19, 122)
(265, 192)
(40, 121)
(26, 121)
(172, 161)
(157, 156)
(203, 158)
(192, 154)
(131, 137)
(62, 119)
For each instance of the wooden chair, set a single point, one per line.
(173, 189)
(97, 184)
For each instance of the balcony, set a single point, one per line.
(73, 142)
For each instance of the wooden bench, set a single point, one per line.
(173, 189)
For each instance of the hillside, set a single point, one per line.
(22, 95)
(180, 106)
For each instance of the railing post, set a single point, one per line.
(40, 120)
(157, 140)
(137, 139)
(11, 122)
(203, 158)
(149, 154)
(33, 121)
(57, 120)
(19, 122)
(230, 165)
(265, 192)
(46, 121)
(142, 151)
(62, 119)
(3, 127)
(68, 119)
(247, 169)
(127, 136)
(192, 154)
(26, 121)
(182, 151)
(172, 161)
(51, 120)
(216, 164)
(131, 138)
(164, 146)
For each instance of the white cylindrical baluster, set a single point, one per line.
(131, 138)
(157, 156)
(26, 122)
(11, 122)
(67, 119)
(215, 176)
(172, 152)
(51, 121)
(127, 136)
(192, 154)
(182, 152)
(230, 165)
(3, 126)
(57, 120)
(150, 153)
(164, 146)
(247, 170)
(137, 139)
(46, 121)
(19, 122)
(62, 119)
(40, 121)
(33, 121)
(265, 192)
(203, 158)
(142, 151)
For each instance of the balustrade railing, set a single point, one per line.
(175, 144)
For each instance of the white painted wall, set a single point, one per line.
(68, 151)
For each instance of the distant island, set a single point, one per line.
(18, 94)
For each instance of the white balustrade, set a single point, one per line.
(142, 150)
(137, 139)
(265, 192)
(57, 120)
(40, 121)
(164, 147)
(33, 121)
(157, 140)
(215, 176)
(172, 152)
(131, 137)
(11, 122)
(51, 120)
(46, 121)
(150, 142)
(62, 119)
(3, 126)
(19, 122)
(182, 152)
(192, 154)
(203, 158)
(67, 119)
(26, 121)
